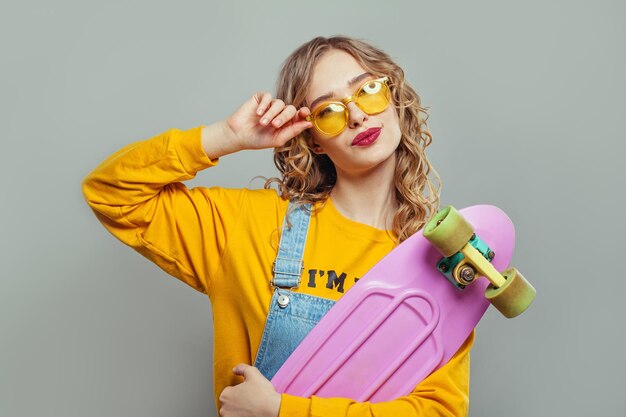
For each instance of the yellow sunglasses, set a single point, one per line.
(331, 118)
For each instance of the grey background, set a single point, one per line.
(525, 101)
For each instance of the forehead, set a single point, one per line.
(332, 73)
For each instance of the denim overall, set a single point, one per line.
(292, 315)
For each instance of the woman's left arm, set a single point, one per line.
(444, 393)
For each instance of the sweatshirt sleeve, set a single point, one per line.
(444, 393)
(138, 196)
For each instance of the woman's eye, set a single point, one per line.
(330, 109)
(371, 88)
(325, 111)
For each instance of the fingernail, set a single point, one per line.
(259, 111)
(277, 122)
(264, 121)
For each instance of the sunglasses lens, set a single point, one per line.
(373, 97)
(331, 119)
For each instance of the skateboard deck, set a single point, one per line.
(400, 322)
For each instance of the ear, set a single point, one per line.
(314, 146)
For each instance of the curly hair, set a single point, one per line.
(308, 178)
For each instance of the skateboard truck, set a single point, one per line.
(460, 272)
(466, 255)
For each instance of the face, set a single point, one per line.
(369, 141)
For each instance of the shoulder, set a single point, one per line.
(252, 203)
(264, 200)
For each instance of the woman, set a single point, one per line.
(349, 144)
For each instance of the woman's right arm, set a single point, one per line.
(138, 195)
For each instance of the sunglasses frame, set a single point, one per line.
(344, 103)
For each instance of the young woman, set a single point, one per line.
(349, 140)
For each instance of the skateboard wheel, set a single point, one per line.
(512, 298)
(448, 231)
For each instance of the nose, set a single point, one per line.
(356, 116)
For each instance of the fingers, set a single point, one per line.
(302, 113)
(264, 100)
(285, 120)
(277, 107)
(245, 370)
(298, 125)
(293, 130)
(284, 116)
(224, 393)
(276, 112)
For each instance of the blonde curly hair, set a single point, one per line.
(308, 178)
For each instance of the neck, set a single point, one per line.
(367, 197)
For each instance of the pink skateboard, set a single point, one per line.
(412, 311)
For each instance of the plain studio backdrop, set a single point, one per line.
(524, 97)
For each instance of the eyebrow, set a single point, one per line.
(330, 94)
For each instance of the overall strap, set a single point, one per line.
(288, 265)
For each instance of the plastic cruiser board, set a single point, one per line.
(403, 320)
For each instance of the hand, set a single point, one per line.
(254, 397)
(264, 122)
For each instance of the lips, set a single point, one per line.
(368, 137)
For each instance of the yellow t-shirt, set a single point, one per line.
(223, 242)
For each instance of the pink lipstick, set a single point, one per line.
(368, 137)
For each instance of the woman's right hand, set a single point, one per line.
(261, 122)
(265, 122)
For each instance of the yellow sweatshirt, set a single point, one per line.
(222, 242)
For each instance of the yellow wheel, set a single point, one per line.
(448, 231)
(512, 298)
